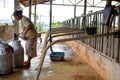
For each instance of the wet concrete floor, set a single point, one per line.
(72, 68)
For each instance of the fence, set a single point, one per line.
(108, 45)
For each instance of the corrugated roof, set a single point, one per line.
(26, 2)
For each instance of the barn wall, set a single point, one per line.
(6, 32)
(107, 68)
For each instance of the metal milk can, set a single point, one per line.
(6, 65)
(18, 56)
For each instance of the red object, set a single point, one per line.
(7, 50)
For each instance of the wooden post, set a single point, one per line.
(108, 2)
(51, 24)
(16, 25)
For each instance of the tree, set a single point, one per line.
(57, 24)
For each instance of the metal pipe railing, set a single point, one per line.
(104, 41)
(64, 40)
(104, 44)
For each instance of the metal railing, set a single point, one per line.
(108, 45)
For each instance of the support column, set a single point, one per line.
(85, 4)
(30, 8)
(118, 49)
(16, 25)
(51, 25)
(108, 2)
(75, 11)
(35, 15)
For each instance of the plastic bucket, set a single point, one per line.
(57, 56)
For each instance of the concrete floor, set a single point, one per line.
(48, 66)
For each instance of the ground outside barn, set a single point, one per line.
(72, 68)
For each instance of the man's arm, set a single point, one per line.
(26, 30)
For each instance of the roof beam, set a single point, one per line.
(73, 5)
(26, 2)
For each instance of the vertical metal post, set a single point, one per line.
(51, 24)
(75, 11)
(43, 55)
(30, 4)
(85, 4)
(35, 15)
(118, 49)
